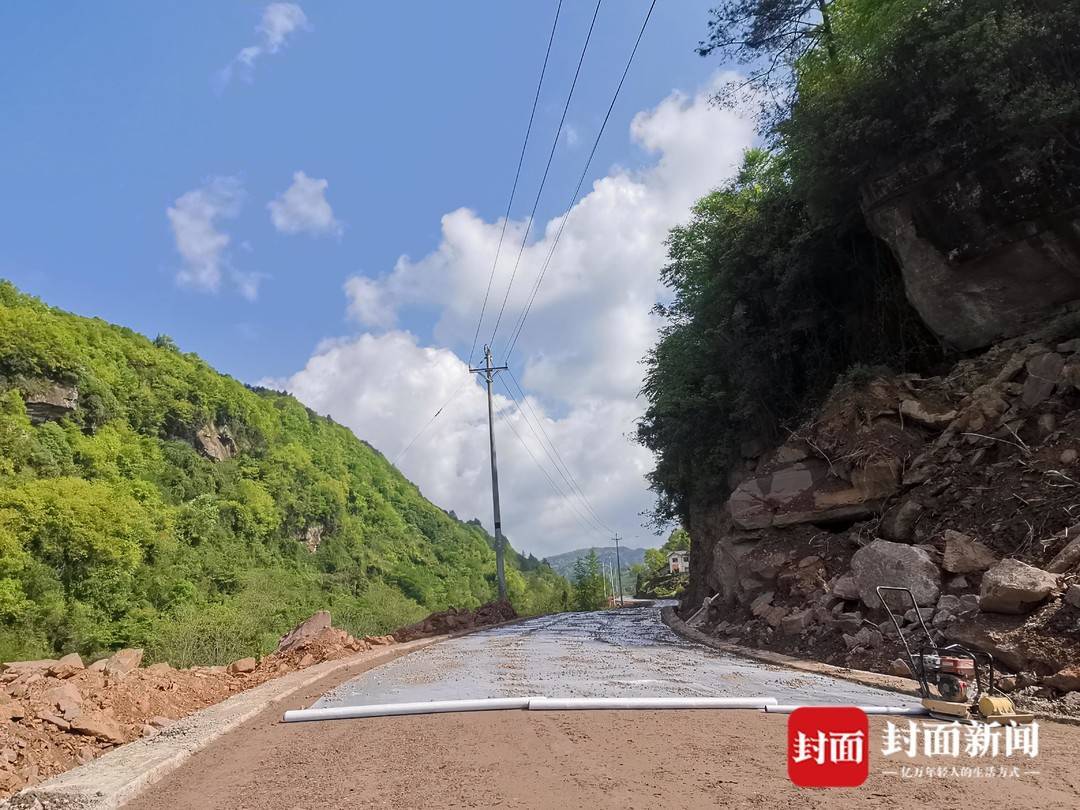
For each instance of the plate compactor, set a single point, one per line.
(953, 671)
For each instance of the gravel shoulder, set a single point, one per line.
(574, 759)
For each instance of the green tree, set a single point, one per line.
(589, 583)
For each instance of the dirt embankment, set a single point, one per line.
(61, 713)
(964, 487)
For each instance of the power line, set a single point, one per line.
(555, 487)
(430, 422)
(543, 179)
(568, 476)
(589, 514)
(517, 175)
(562, 225)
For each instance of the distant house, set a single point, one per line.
(678, 562)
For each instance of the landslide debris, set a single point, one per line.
(57, 714)
(964, 487)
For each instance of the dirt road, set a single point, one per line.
(564, 760)
(576, 759)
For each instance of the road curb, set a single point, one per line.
(120, 775)
(891, 683)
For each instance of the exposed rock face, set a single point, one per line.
(215, 443)
(896, 564)
(1014, 587)
(312, 537)
(55, 401)
(974, 277)
(805, 492)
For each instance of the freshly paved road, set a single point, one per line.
(614, 653)
(604, 759)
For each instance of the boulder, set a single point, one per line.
(795, 623)
(1008, 653)
(242, 666)
(1067, 680)
(900, 668)
(896, 564)
(846, 587)
(976, 265)
(160, 668)
(804, 492)
(1072, 596)
(66, 699)
(123, 661)
(965, 555)
(912, 616)
(865, 638)
(54, 401)
(303, 632)
(1014, 587)
(25, 667)
(899, 522)
(1043, 371)
(921, 415)
(12, 710)
(99, 726)
(1069, 557)
(848, 622)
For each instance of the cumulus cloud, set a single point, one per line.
(279, 21)
(194, 220)
(579, 354)
(303, 208)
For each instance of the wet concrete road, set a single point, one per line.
(613, 653)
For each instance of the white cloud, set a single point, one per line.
(303, 208)
(279, 21)
(579, 354)
(194, 220)
(368, 303)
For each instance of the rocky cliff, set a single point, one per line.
(964, 487)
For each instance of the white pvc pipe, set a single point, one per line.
(915, 711)
(391, 709)
(574, 704)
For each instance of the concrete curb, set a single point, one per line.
(118, 776)
(891, 683)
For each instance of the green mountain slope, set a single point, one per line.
(564, 563)
(147, 500)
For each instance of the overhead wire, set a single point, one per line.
(430, 421)
(547, 167)
(582, 519)
(577, 191)
(558, 459)
(517, 176)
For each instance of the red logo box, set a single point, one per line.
(828, 747)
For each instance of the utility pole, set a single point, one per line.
(488, 371)
(618, 567)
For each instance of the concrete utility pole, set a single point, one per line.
(488, 371)
(618, 567)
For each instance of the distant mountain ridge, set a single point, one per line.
(564, 563)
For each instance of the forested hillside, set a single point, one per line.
(147, 500)
(913, 198)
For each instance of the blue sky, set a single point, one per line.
(355, 159)
(408, 109)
